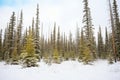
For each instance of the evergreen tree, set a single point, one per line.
(106, 43)
(24, 39)
(117, 29)
(87, 58)
(54, 36)
(63, 46)
(56, 56)
(5, 45)
(66, 48)
(84, 54)
(33, 28)
(70, 47)
(110, 50)
(82, 45)
(113, 30)
(58, 40)
(19, 33)
(15, 59)
(89, 37)
(28, 56)
(55, 49)
(51, 45)
(42, 46)
(59, 44)
(100, 45)
(37, 38)
(92, 38)
(62, 50)
(11, 34)
(46, 51)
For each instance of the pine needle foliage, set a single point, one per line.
(29, 57)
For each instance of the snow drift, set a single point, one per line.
(67, 70)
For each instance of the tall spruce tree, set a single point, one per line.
(66, 48)
(5, 44)
(37, 37)
(33, 28)
(42, 45)
(28, 57)
(110, 55)
(54, 36)
(82, 45)
(11, 34)
(62, 47)
(24, 39)
(15, 59)
(60, 43)
(70, 47)
(117, 28)
(58, 40)
(55, 49)
(89, 37)
(106, 43)
(19, 33)
(113, 30)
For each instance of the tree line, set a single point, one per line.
(30, 47)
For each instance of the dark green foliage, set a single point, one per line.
(88, 29)
(19, 34)
(117, 29)
(112, 36)
(37, 37)
(11, 34)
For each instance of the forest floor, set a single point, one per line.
(67, 70)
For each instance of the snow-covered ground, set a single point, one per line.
(67, 70)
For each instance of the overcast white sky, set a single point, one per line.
(66, 13)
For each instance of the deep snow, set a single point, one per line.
(67, 70)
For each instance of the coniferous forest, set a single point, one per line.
(27, 47)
